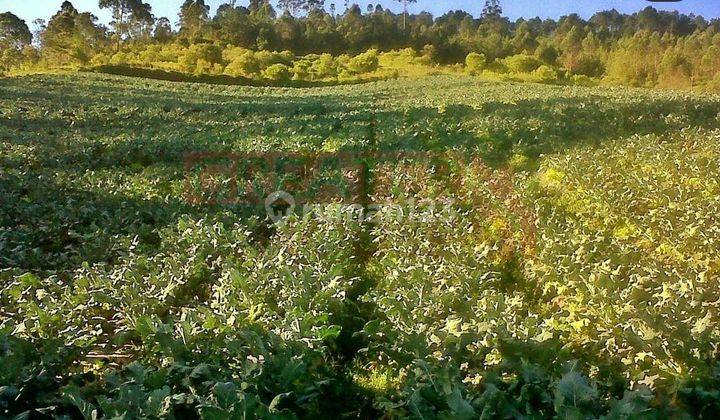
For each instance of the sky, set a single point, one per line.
(30, 10)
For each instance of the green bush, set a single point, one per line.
(714, 84)
(277, 73)
(245, 65)
(268, 58)
(547, 54)
(301, 69)
(522, 63)
(429, 55)
(190, 57)
(546, 74)
(100, 60)
(231, 53)
(589, 65)
(497, 67)
(582, 80)
(324, 67)
(119, 57)
(475, 62)
(365, 63)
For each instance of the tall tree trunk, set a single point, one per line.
(404, 14)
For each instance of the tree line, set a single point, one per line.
(646, 48)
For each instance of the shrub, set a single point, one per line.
(245, 65)
(343, 61)
(714, 84)
(100, 60)
(9, 58)
(675, 71)
(119, 58)
(497, 67)
(277, 73)
(546, 74)
(408, 52)
(475, 62)
(150, 54)
(268, 58)
(582, 80)
(522, 63)
(189, 57)
(547, 54)
(301, 69)
(346, 75)
(205, 67)
(365, 63)
(232, 53)
(429, 55)
(324, 67)
(588, 65)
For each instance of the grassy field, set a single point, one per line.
(576, 275)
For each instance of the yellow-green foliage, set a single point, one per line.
(277, 73)
(210, 59)
(475, 62)
(409, 63)
(522, 63)
(546, 74)
(244, 64)
(366, 62)
(324, 66)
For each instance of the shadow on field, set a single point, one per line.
(144, 133)
(46, 225)
(176, 76)
(152, 134)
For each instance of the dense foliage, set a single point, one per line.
(648, 48)
(576, 275)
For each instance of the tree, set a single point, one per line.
(310, 5)
(320, 34)
(261, 9)
(14, 32)
(492, 9)
(234, 26)
(353, 29)
(289, 32)
(130, 18)
(194, 15)
(608, 23)
(294, 6)
(405, 10)
(141, 21)
(289, 6)
(72, 37)
(525, 40)
(163, 30)
(492, 20)
(14, 37)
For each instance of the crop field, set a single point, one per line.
(571, 270)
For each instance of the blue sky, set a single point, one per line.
(33, 9)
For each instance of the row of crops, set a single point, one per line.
(576, 275)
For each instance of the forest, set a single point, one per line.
(308, 40)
